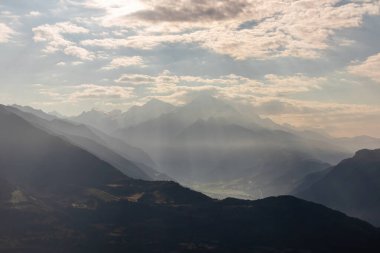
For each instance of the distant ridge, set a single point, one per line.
(114, 120)
(131, 161)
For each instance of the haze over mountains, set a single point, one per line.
(214, 146)
(189, 126)
(130, 160)
(221, 148)
(57, 197)
(33, 159)
(112, 121)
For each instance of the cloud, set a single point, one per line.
(369, 68)
(292, 84)
(79, 52)
(191, 11)
(143, 42)
(334, 118)
(34, 14)
(83, 92)
(98, 92)
(240, 29)
(228, 86)
(281, 106)
(53, 37)
(53, 96)
(167, 82)
(121, 62)
(112, 7)
(5, 33)
(136, 79)
(74, 99)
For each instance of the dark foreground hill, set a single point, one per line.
(56, 197)
(164, 217)
(353, 186)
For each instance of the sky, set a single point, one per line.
(311, 64)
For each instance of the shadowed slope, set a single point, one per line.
(353, 186)
(130, 160)
(34, 158)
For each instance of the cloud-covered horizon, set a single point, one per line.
(302, 62)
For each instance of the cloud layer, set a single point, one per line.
(369, 68)
(240, 29)
(303, 62)
(5, 33)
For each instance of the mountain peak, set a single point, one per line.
(154, 104)
(367, 154)
(206, 100)
(92, 111)
(156, 101)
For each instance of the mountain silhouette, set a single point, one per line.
(57, 197)
(131, 161)
(352, 186)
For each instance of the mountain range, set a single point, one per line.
(55, 196)
(130, 160)
(210, 144)
(114, 120)
(223, 151)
